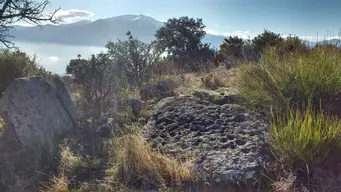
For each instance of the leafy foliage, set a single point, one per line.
(15, 64)
(97, 77)
(181, 39)
(232, 46)
(134, 58)
(267, 38)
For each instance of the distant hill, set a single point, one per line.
(97, 33)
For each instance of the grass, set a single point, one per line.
(300, 92)
(135, 164)
(216, 78)
(306, 136)
(132, 166)
(57, 184)
(294, 78)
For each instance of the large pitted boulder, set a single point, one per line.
(228, 143)
(159, 89)
(37, 112)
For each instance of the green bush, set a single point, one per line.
(14, 64)
(295, 78)
(306, 136)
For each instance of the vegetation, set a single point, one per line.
(137, 165)
(97, 77)
(14, 64)
(266, 39)
(294, 78)
(181, 39)
(232, 46)
(135, 59)
(295, 86)
(306, 137)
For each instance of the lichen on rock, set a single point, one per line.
(227, 142)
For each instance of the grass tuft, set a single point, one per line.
(135, 164)
(306, 136)
(295, 78)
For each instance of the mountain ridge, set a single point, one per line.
(100, 31)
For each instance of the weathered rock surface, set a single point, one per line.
(37, 112)
(228, 143)
(159, 89)
(134, 105)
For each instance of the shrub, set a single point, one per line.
(99, 83)
(14, 64)
(134, 58)
(296, 78)
(306, 136)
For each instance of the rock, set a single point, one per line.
(220, 97)
(36, 112)
(135, 105)
(227, 142)
(159, 90)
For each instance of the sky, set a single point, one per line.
(309, 19)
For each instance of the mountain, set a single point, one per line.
(97, 33)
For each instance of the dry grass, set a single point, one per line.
(135, 164)
(218, 77)
(57, 184)
(2, 126)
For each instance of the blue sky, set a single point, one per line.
(306, 18)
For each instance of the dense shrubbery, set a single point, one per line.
(14, 64)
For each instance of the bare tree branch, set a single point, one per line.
(27, 11)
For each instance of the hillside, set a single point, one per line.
(98, 32)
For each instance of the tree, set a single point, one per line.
(28, 11)
(134, 58)
(267, 38)
(98, 78)
(232, 46)
(181, 39)
(293, 43)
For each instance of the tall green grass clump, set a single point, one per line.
(293, 77)
(305, 136)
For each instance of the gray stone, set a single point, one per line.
(37, 112)
(227, 142)
(135, 105)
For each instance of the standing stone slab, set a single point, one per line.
(37, 112)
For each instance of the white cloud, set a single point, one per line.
(249, 34)
(239, 33)
(72, 15)
(53, 58)
(67, 16)
(315, 38)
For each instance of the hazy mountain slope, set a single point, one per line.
(98, 32)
